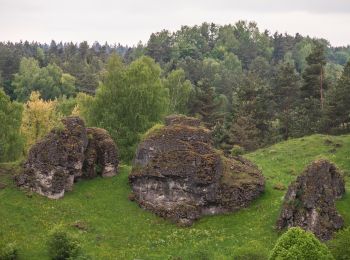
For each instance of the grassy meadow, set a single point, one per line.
(110, 226)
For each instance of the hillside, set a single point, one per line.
(109, 226)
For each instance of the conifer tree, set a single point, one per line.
(338, 105)
(313, 76)
(285, 94)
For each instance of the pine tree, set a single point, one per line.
(312, 91)
(313, 76)
(285, 94)
(338, 105)
(206, 104)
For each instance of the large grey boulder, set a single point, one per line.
(178, 174)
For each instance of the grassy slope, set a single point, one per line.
(119, 229)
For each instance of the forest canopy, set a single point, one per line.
(250, 87)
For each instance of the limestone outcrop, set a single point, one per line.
(65, 155)
(178, 174)
(310, 201)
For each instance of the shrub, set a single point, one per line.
(8, 252)
(63, 246)
(299, 244)
(237, 150)
(251, 251)
(340, 245)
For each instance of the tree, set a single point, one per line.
(285, 95)
(299, 244)
(312, 91)
(159, 46)
(129, 100)
(243, 132)
(253, 100)
(338, 103)
(50, 81)
(179, 91)
(205, 103)
(313, 76)
(11, 141)
(39, 117)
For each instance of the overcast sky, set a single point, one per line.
(129, 21)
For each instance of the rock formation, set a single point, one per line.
(101, 151)
(178, 175)
(310, 200)
(65, 155)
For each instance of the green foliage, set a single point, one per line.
(129, 101)
(8, 251)
(62, 246)
(243, 132)
(179, 91)
(205, 105)
(299, 244)
(11, 141)
(338, 104)
(50, 81)
(340, 244)
(285, 95)
(65, 106)
(237, 150)
(314, 73)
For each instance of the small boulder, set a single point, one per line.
(310, 200)
(179, 175)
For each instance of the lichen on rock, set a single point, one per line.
(310, 201)
(56, 161)
(178, 174)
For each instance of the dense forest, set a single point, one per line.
(252, 88)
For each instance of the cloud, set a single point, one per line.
(128, 21)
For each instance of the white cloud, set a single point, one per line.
(129, 21)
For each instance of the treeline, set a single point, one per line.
(251, 88)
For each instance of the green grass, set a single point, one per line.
(115, 228)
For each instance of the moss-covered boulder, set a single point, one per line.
(178, 174)
(56, 161)
(100, 152)
(310, 201)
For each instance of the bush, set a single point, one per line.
(251, 251)
(237, 150)
(63, 246)
(340, 245)
(8, 252)
(299, 244)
